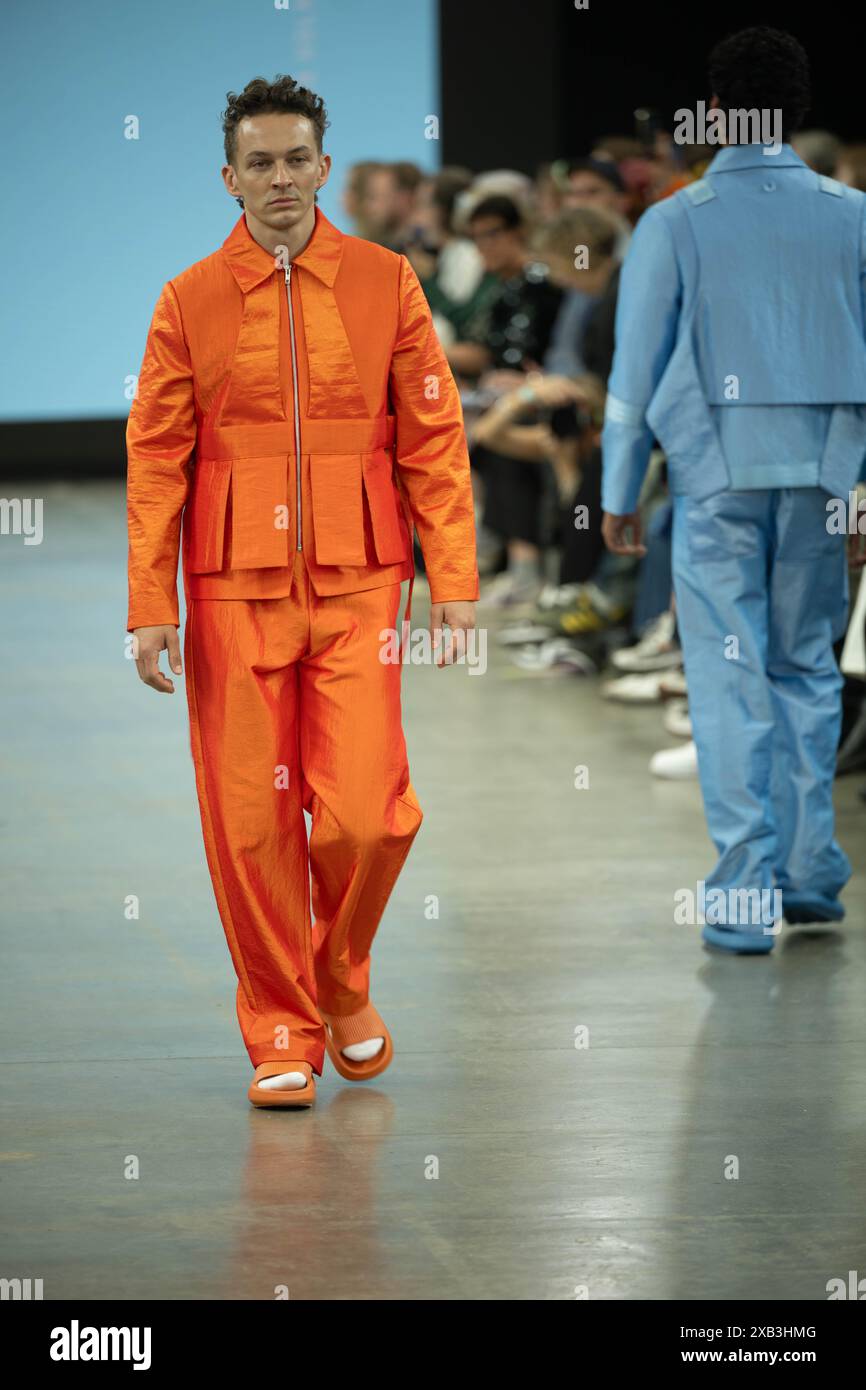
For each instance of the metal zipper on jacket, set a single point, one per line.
(295, 410)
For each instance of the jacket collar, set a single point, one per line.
(250, 263)
(732, 157)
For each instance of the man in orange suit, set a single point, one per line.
(294, 407)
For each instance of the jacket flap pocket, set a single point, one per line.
(338, 509)
(388, 531)
(261, 513)
(205, 514)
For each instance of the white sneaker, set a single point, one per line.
(677, 719)
(675, 764)
(633, 690)
(672, 685)
(556, 653)
(558, 596)
(656, 651)
(504, 592)
(523, 634)
(498, 588)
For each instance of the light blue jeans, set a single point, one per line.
(762, 594)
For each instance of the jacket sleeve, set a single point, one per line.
(647, 316)
(432, 456)
(160, 438)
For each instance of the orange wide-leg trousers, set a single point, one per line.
(292, 710)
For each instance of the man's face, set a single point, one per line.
(500, 246)
(277, 168)
(380, 201)
(586, 189)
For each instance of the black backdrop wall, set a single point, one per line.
(528, 82)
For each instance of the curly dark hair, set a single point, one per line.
(764, 69)
(260, 97)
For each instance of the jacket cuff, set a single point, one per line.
(625, 451)
(145, 619)
(464, 590)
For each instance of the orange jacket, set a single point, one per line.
(214, 433)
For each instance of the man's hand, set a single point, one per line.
(502, 379)
(556, 391)
(147, 643)
(616, 531)
(460, 617)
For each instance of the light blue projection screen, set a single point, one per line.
(96, 223)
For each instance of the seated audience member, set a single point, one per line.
(852, 167)
(506, 183)
(597, 183)
(408, 182)
(553, 422)
(820, 149)
(509, 339)
(669, 161)
(636, 167)
(579, 249)
(458, 287)
(515, 330)
(386, 203)
(355, 196)
(547, 192)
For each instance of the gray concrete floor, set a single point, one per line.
(558, 1168)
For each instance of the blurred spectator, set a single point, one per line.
(515, 331)
(450, 267)
(582, 338)
(385, 203)
(548, 194)
(852, 167)
(509, 339)
(669, 160)
(507, 182)
(617, 148)
(355, 195)
(408, 180)
(596, 183)
(819, 149)
(562, 436)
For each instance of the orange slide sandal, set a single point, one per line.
(342, 1031)
(293, 1100)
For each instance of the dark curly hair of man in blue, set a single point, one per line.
(762, 69)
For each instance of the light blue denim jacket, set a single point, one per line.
(741, 334)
